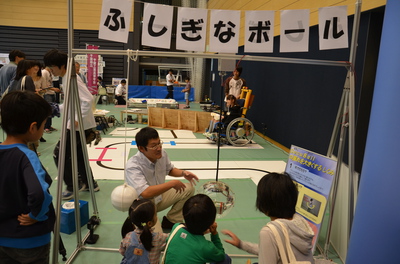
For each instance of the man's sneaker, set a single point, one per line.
(66, 195)
(166, 224)
(96, 187)
(82, 186)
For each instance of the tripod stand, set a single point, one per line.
(71, 107)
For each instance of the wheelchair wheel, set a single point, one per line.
(240, 132)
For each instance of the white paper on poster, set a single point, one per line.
(191, 29)
(259, 31)
(157, 25)
(295, 30)
(115, 20)
(224, 31)
(333, 33)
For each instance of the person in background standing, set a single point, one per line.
(187, 91)
(57, 62)
(170, 85)
(49, 96)
(7, 73)
(40, 85)
(24, 81)
(78, 72)
(38, 80)
(23, 77)
(234, 84)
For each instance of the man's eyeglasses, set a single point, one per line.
(155, 147)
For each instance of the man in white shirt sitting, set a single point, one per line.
(120, 93)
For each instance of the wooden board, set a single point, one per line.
(196, 121)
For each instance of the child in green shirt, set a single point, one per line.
(189, 245)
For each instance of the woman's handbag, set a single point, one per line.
(23, 83)
(8, 87)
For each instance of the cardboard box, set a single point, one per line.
(67, 223)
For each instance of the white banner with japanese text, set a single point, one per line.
(92, 69)
(191, 29)
(224, 28)
(295, 30)
(115, 19)
(332, 27)
(157, 25)
(224, 31)
(259, 31)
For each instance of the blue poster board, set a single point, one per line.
(157, 92)
(314, 175)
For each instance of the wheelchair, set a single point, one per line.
(240, 131)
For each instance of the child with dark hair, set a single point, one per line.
(26, 212)
(277, 198)
(142, 245)
(189, 245)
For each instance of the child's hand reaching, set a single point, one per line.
(235, 241)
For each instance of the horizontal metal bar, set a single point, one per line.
(211, 56)
(101, 249)
(116, 250)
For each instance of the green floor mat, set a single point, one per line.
(243, 219)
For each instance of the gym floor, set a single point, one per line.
(239, 167)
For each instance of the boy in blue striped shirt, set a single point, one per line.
(26, 211)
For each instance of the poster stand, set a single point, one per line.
(314, 175)
(72, 103)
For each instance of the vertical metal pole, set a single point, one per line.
(61, 157)
(61, 161)
(336, 127)
(222, 74)
(353, 49)
(346, 107)
(70, 27)
(74, 158)
(342, 140)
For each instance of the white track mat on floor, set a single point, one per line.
(203, 169)
(107, 160)
(177, 143)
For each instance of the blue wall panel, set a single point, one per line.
(148, 91)
(375, 233)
